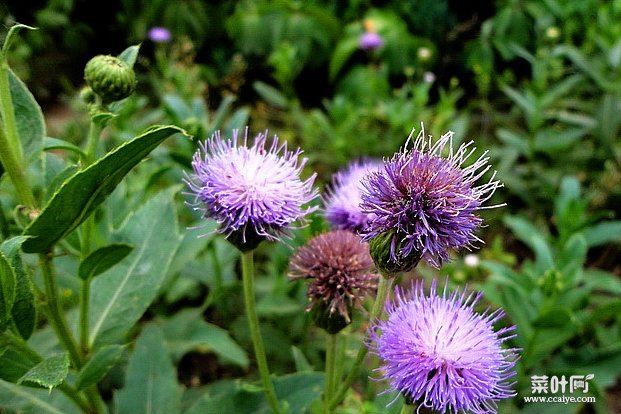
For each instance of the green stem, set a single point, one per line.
(14, 166)
(21, 347)
(85, 293)
(253, 323)
(376, 311)
(56, 316)
(94, 131)
(330, 371)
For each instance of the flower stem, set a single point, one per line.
(253, 323)
(376, 311)
(330, 371)
(56, 317)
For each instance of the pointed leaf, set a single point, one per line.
(98, 366)
(24, 312)
(123, 294)
(28, 400)
(48, 373)
(187, 331)
(7, 292)
(83, 192)
(130, 55)
(28, 117)
(102, 259)
(151, 385)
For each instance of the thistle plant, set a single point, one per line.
(438, 352)
(254, 193)
(421, 203)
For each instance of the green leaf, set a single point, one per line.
(187, 331)
(51, 144)
(102, 259)
(553, 318)
(83, 192)
(151, 385)
(12, 32)
(24, 312)
(301, 363)
(98, 365)
(27, 400)
(297, 390)
(48, 373)
(271, 95)
(123, 294)
(28, 117)
(603, 233)
(130, 55)
(7, 292)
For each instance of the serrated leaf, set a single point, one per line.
(151, 385)
(83, 192)
(28, 400)
(187, 331)
(7, 292)
(99, 365)
(121, 296)
(48, 373)
(102, 259)
(24, 312)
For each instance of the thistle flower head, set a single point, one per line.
(428, 202)
(252, 192)
(370, 41)
(438, 352)
(340, 271)
(159, 34)
(343, 196)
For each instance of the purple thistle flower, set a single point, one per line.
(341, 274)
(159, 34)
(253, 193)
(370, 41)
(342, 198)
(438, 352)
(426, 204)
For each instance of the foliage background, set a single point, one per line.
(537, 83)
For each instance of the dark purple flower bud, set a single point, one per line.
(159, 35)
(252, 192)
(340, 273)
(426, 202)
(439, 353)
(343, 196)
(370, 41)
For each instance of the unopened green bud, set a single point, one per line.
(88, 96)
(380, 249)
(110, 78)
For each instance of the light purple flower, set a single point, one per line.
(159, 34)
(339, 269)
(370, 41)
(438, 352)
(343, 197)
(252, 192)
(426, 203)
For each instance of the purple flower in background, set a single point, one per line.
(370, 41)
(438, 352)
(340, 271)
(159, 35)
(343, 196)
(423, 204)
(253, 193)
